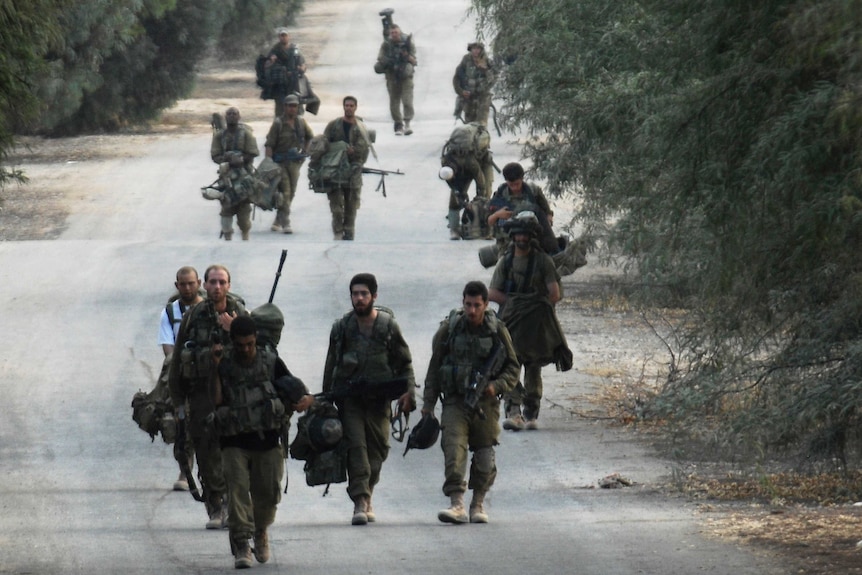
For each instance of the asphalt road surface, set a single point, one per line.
(82, 490)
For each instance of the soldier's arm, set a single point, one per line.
(249, 150)
(508, 377)
(216, 150)
(329, 366)
(431, 393)
(400, 358)
(309, 134)
(175, 383)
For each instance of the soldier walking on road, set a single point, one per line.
(287, 144)
(286, 56)
(366, 345)
(250, 415)
(344, 198)
(188, 285)
(204, 333)
(235, 148)
(473, 80)
(527, 286)
(465, 345)
(396, 59)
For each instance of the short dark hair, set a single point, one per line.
(352, 98)
(474, 288)
(513, 171)
(365, 279)
(242, 326)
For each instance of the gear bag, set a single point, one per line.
(332, 169)
(471, 139)
(153, 411)
(265, 192)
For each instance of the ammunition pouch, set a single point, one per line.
(195, 362)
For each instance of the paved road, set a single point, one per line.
(82, 490)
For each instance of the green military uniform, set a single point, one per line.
(476, 79)
(285, 140)
(224, 142)
(191, 371)
(250, 421)
(344, 199)
(531, 320)
(531, 198)
(290, 59)
(381, 357)
(392, 60)
(458, 350)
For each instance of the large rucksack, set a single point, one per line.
(331, 168)
(470, 139)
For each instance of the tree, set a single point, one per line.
(29, 30)
(715, 146)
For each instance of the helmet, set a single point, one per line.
(446, 173)
(524, 222)
(425, 434)
(291, 99)
(324, 431)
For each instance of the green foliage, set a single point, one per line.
(251, 24)
(28, 32)
(716, 146)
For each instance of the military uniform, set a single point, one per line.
(290, 59)
(458, 350)
(344, 199)
(392, 60)
(250, 422)
(223, 143)
(191, 370)
(381, 357)
(285, 140)
(531, 198)
(475, 78)
(531, 320)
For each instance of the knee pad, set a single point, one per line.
(484, 459)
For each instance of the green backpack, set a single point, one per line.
(333, 169)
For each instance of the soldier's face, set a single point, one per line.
(291, 110)
(474, 309)
(217, 285)
(187, 285)
(522, 241)
(349, 108)
(245, 347)
(515, 185)
(284, 39)
(395, 34)
(232, 116)
(362, 300)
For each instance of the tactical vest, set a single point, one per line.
(202, 330)
(358, 356)
(251, 402)
(467, 352)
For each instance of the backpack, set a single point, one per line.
(471, 139)
(153, 411)
(333, 168)
(265, 192)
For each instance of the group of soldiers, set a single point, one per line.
(227, 386)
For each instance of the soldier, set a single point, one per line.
(187, 283)
(396, 59)
(344, 198)
(287, 143)
(465, 345)
(204, 334)
(286, 55)
(366, 345)
(527, 286)
(236, 148)
(473, 80)
(513, 197)
(250, 415)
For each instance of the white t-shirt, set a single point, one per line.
(167, 332)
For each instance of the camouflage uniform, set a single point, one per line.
(531, 198)
(240, 140)
(381, 357)
(291, 59)
(250, 423)
(457, 350)
(344, 199)
(190, 373)
(282, 139)
(477, 78)
(392, 61)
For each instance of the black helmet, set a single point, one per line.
(524, 222)
(324, 431)
(425, 434)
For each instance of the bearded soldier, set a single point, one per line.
(473, 80)
(203, 335)
(471, 348)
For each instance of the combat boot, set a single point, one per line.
(514, 420)
(242, 556)
(360, 508)
(399, 129)
(456, 512)
(218, 518)
(261, 546)
(477, 507)
(245, 235)
(369, 512)
(228, 236)
(181, 484)
(407, 129)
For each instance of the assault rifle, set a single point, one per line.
(183, 460)
(389, 389)
(481, 378)
(382, 174)
(277, 274)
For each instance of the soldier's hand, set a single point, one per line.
(406, 403)
(304, 403)
(217, 351)
(490, 390)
